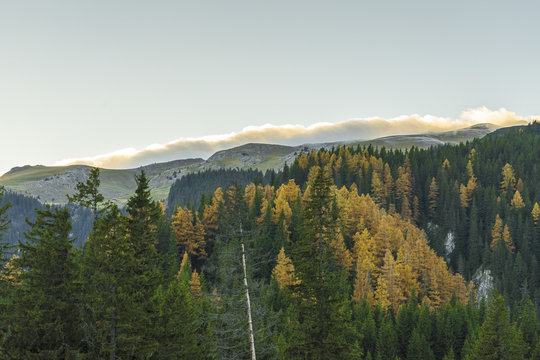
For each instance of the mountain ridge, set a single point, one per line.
(50, 184)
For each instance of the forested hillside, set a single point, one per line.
(23, 207)
(189, 189)
(339, 256)
(477, 201)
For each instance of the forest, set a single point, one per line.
(347, 253)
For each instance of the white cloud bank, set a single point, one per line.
(354, 129)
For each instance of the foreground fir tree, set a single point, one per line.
(143, 217)
(43, 314)
(320, 317)
(109, 289)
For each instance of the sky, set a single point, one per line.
(80, 80)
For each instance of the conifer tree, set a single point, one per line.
(88, 194)
(517, 201)
(433, 196)
(284, 270)
(498, 339)
(321, 317)
(535, 213)
(180, 329)
(189, 233)
(508, 181)
(43, 314)
(496, 232)
(110, 302)
(143, 216)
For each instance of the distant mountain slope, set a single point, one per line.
(431, 139)
(50, 184)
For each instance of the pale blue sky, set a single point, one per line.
(82, 78)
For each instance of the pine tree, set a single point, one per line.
(43, 314)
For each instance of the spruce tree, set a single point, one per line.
(321, 327)
(142, 225)
(498, 339)
(43, 314)
(109, 289)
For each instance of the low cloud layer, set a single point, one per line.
(354, 129)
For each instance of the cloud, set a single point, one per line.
(353, 129)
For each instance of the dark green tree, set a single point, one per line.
(419, 348)
(43, 314)
(181, 331)
(110, 309)
(498, 339)
(321, 328)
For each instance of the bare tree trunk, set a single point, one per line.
(250, 323)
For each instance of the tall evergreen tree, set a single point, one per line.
(142, 225)
(498, 340)
(43, 314)
(321, 310)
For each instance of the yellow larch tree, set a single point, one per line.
(406, 209)
(520, 185)
(210, 215)
(188, 236)
(433, 195)
(283, 272)
(343, 255)
(535, 213)
(388, 182)
(362, 285)
(507, 238)
(445, 165)
(195, 285)
(496, 232)
(388, 292)
(377, 188)
(303, 161)
(517, 201)
(408, 279)
(508, 181)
